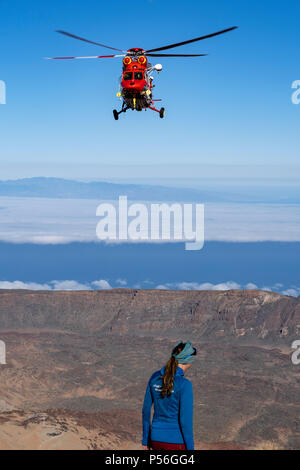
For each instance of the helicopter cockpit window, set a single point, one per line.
(128, 76)
(138, 75)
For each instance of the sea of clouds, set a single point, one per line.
(60, 221)
(56, 221)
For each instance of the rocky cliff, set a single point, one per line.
(78, 364)
(207, 314)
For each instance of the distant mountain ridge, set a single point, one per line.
(71, 189)
(63, 188)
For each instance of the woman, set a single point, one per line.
(172, 395)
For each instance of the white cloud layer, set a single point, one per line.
(72, 285)
(278, 287)
(69, 285)
(23, 285)
(57, 221)
(102, 284)
(293, 291)
(205, 286)
(55, 285)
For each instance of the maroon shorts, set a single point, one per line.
(155, 445)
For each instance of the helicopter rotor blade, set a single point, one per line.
(87, 40)
(176, 55)
(85, 57)
(192, 40)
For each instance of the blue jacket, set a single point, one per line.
(173, 416)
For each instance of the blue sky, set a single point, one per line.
(231, 108)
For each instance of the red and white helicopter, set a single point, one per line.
(137, 82)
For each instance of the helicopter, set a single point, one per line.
(136, 83)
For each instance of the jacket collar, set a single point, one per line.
(179, 371)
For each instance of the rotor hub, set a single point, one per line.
(135, 51)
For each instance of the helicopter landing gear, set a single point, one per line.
(116, 113)
(162, 113)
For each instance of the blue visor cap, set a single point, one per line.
(187, 355)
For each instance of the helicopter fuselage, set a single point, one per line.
(136, 85)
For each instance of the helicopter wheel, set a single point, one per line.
(162, 113)
(116, 114)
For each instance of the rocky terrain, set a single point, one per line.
(78, 364)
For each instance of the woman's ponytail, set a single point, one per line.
(170, 371)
